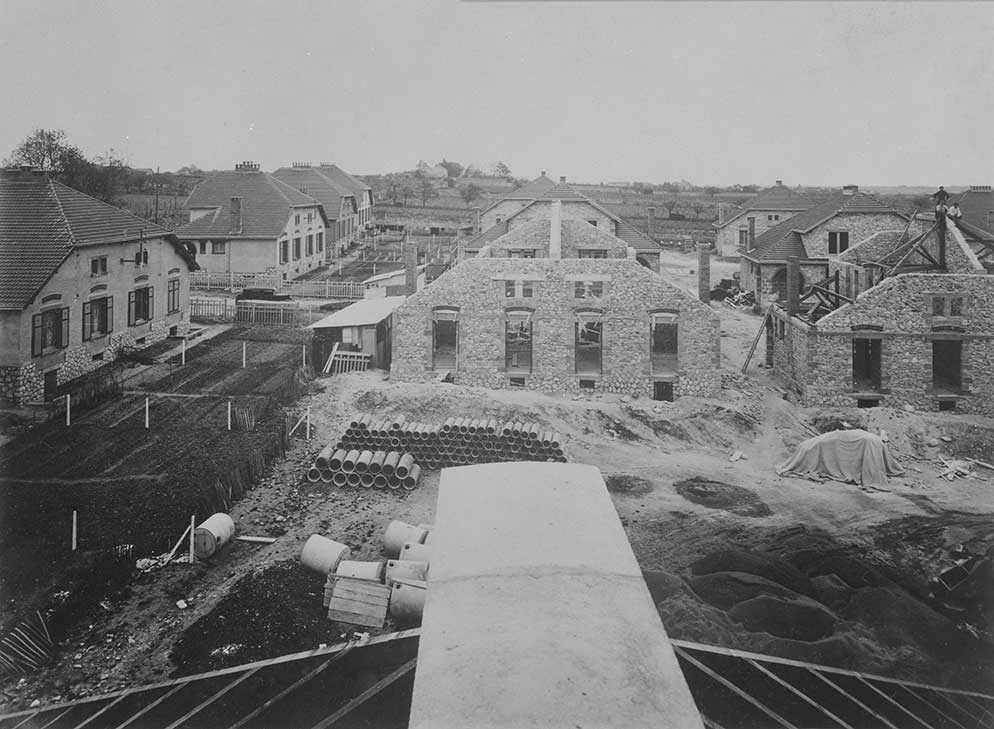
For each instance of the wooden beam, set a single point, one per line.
(212, 698)
(800, 694)
(755, 342)
(367, 694)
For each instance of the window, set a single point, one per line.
(772, 218)
(588, 289)
(320, 242)
(140, 305)
(217, 247)
(203, 247)
(592, 253)
(947, 306)
(947, 365)
(310, 217)
(310, 245)
(172, 296)
(518, 341)
(938, 306)
(296, 249)
(49, 331)
(521, 253)
(445, 338)
(956, 306)
(663, 347)
(743, 237)
(296, 219)
(519, 289)
(838, 242)
(98, 318)
(866, 364)
(662, 391)
(587, 347)
(98, 266)
(284, 251)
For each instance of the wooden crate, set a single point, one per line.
(359, 602)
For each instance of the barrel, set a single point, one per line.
(400, 532)
(407, 601)
(360, 570)
(213, 534)
(416, 551)
(405, 569)
(322, 555)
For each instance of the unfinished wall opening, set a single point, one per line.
(518, 341)
(587, 384)
(662, 391)
(867, 402)
(947, 365)
(444, 338)
(516, 381)
(778, 283)
(588, 348)
(865, 364)
(947, 405)
(51, 384)
(663, 342)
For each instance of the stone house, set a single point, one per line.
(533, 310)
(247, 221)
(755, 216)
(815, 236)
(916, 327)
(534, 200)
(80, 281)
(340, 204)
(977, 205)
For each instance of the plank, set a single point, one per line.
(257, 540)
(367, 621)
(374, 597)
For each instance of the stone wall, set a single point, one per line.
(860, 226)
(727, 237)
(576, 235)
(631, 292)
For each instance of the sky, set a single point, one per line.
(717, 93)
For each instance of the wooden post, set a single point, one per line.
(68, 408)
(243, 354)
(146, 413)
(182, 360)
(74, 530)
(229, 414)
(303, 356)
(193, 528)
(308, 426)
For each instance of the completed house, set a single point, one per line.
(814, 236)
(339, 202)
(247, 221)
(80, 281)
(558, 304)
(363, 193)
(755, 216)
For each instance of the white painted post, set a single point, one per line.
(182, 360)
(374, 269)
(308, 427)
(146, 413)
(193, 527)
(303, 356)
(243, 354)
(68, 408)
(74, 530)
(229, 414)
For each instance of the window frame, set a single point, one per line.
(59, 315)
(588, 290)
(88, 334)
(838, 239)
(135, 306)
(514, 317)
(219, 247)
(98, 266)
(296, 248)
(663, 361)
(588, 320)
(172, 295)
(592, 253)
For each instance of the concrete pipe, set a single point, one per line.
(340, 478)
(212, 534)
(491, 427)
(399, 533)
(398, 422)
(361, 570)
(366, 480)
(407, 601)
(394, 442)
(376, 462)
(404, 465)
(447, 425)
(506, 429)
(402, 569)
(362, 463)
(335, 462)
(416, 551)
(516, 429)
(474, 425)
(394, 483)
(463, 426)
(411, 480)
(379, 481)
(390, 463)
(323, 555)
(327, 475)
(348, 464)
(354, 479)
(313, 474)
(324, 456)
(546, 438)
(557, 441)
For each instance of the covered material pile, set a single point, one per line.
(850, 456)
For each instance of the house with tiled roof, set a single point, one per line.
(363, 193)
(755, 216)
(533, 201)
(532, 310)
(814, 236)
(340, 203)
(80, 282)
(247, 221)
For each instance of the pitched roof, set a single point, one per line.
(487, 236)
(531, 190)
(266, 205)
(346, 180)
(42, 221)
(362, 313)
(778, 197)
(874, 248)
(784, 240)
(977, 205)
(320, 186)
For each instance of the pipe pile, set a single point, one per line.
(380, 469)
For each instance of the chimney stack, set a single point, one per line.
(779, 183)
(556, 231)
(752, 234)
(236, 215)
(850, 189)
(543, 173)
(411, 269)
(703, 273)
(562, 179)
(793, 285)
(247, 166)
(651, 224)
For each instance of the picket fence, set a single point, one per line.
(217, 281)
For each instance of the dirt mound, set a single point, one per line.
(900, 619)
(771, 568)
(716, 425)
(726, 589)
(624, 483)
(724, 496)
(844, 420)
(831, 590)
(617, 429)
(795, 618)
(663, 585)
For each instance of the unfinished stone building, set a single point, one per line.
(901, 321)
(555, 321)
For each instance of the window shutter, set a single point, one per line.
(110, 314)
(36, 335)
(87, 320)
(131, 308)
(64, 342)
(151, 302)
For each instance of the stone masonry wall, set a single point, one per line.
(576, 235)
(860, 226)
(631, 291)
(727, 237)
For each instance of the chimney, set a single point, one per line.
(703, 273)
(980, 188)
(479, 222)
(779, 183)
(940, 234)
(411, 270)
(543, 173)
(793, 285)
(236, 215)
(651, 224)
(556, 231)
(850, 189)
(562, 179)
(247, 167)
(752, 234)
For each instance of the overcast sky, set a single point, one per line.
(715, 93)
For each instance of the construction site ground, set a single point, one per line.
(824, 572)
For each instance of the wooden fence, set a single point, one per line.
(214, 281)
(278, 313)
(349, 362)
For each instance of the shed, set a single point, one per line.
(364, 326)
(390, 283)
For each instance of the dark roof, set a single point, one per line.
(977, 205)
(266, 205)
(784, 240)
(875, 248)
(488, 235)
(778, 197)
(42, 221)
(531, 190)
(635, 237)
(346, 180)
(319, 185)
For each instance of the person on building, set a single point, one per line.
(954, 212)
(940, 212)
(940, 196)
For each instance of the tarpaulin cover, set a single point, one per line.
(852, 456)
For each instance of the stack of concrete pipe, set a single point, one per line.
(456, 442)
(365, 467)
